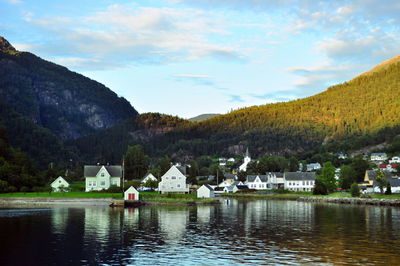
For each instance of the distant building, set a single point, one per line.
(235, 188)
(222, 161)
(378, 156)
(299, 181)
(395, 159)
(246, 161)
(173, 181)
(313, 167)
(59, 183)
(370, 184)
(231, 160)
(99, 177)
(149, 176)
(275, 180)
(257, 181)
(131, 194)
(205, 191)
(341, 155)
(388, 167)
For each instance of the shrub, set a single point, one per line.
(320, 188)
(114, 189)
(355, 190)
(24, 189)
(388, 189)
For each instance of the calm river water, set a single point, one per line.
(239, 232)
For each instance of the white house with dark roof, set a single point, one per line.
(275, 180)
(395, 159)
(99, 177)
(205, 191)
(173, 181)
(257, 181)
(149, 176)
(299, 181)
(314, 167)
(59, 184)
(378, 156)
(235, 188)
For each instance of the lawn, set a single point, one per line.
(173, 198)
(79, 194)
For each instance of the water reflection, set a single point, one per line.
(255, 232)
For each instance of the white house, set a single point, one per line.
(149, 176)
(222, 161)
(99, 177)
(371, 185)
(59, 183)
(299, 181)
(275, 180)
(205, 191)
(246, 161)
(225, 183)
(173, 181)
(395, 159)
(257, 181)
(313, 167)
(131, 194)
(231, 160)
(378, 156)
(389, 167)
(235, 188)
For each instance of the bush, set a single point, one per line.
(388, 189)
(320, 188)
(114, 189)
(355, 190)
(24, 189)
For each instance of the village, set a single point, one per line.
(175, 180)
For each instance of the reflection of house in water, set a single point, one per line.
(102, 222)
(204, 213)
(131, 217)
(173, 223)
(59, 218)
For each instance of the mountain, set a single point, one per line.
(68, 104)
(202, 117)
(42, 105)
(355, 112)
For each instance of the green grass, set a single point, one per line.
(154, 197)
(63, 195)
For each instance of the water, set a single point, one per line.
(241, 232)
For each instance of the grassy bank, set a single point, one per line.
(79, 194)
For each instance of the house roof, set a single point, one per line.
(384, 165)
(208, 187)
(242, 186)
(394, 182)
(251, 178)
(58, 178)
(277, 174)
(92, 170)
(300, 176)
(372, 174)
(230, 176)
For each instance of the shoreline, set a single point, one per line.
(353, 201)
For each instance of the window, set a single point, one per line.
(102, 174)
(178, 185)
(174, 177)
(59, 181)
(102, 183)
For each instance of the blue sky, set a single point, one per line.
(188, 57)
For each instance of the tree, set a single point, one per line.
(328, 176)
(388, 189)
(347, 176)
(319, 188)
(293, 164)
(381, 180)
(151, 184)
(355, 190)
(136, 162)
(164, 164)
(360, 166)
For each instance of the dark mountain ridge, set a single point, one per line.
(67, 103)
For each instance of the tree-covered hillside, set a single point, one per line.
(67, 103)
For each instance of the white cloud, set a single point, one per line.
(130, 35)
(15, 2)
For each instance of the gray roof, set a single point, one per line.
(300, 176)
(92, 170)
(209, 187)
(372, 174)
(182, 169)
(251, 178)
(230, 176)
(378, 154)
(277, 174)
(394, 182)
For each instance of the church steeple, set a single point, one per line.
(247, 152)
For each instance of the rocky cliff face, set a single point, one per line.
(67, 103)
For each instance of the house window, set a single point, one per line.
(102, 174)
(103, 183)
(94, 183)
(178, 185)
(174, 177)
(59, 181)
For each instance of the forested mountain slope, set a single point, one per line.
(67, 103)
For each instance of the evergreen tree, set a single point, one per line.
(355, 190)
(347, 176)
(136, 162)
(328, 176)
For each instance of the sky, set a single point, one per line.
(190, 57)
